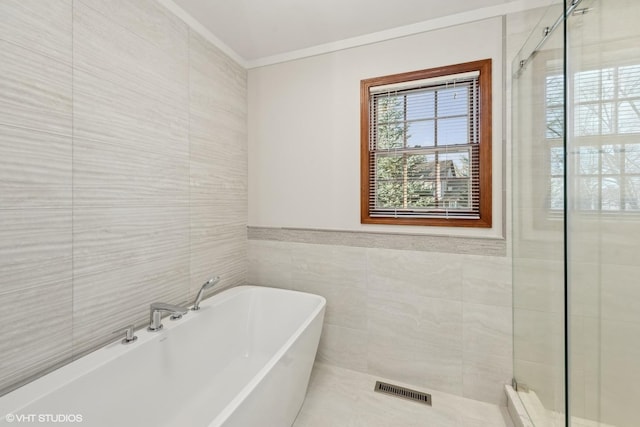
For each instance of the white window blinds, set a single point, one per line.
(424, 148)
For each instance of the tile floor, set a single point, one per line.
(340, 397)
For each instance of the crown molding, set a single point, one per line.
(377, 37)
(203, 31)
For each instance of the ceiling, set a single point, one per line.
(257, 29)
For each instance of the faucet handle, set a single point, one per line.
(129, 334)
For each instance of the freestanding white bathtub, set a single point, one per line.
(242, 360)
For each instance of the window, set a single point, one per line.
(605, 128)
(426, 147)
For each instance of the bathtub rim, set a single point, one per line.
(17, 400)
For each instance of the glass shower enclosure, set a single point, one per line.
(576, 215)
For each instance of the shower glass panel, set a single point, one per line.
(603, 211)
(576, 215)
(538, 221)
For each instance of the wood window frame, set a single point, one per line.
(485, 142)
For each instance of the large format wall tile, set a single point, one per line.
(584, 288)
(444, 370)
(111, 238)
(427, 351)
(218, 115)
(35, 188)
(35, 169)
(35, 248)
(218, 166)
(270, 264)
(406, 307)
(218, 250)
(417, 273)
(112, 114)
(107, 300)
(487, 329)
(149, 20)
(346, 306)
(620, 293)
(412, 361)
(43, 26)
(540, 285)
(36, 90)
(211, 121)
(619, 376)
(217, 98)
(338, 274)
(539, 336)
(108, 202)
(481, 373)
(217, 81)
(114, 175)
(619, 242)
(37, 333)
(114, 53)
(344, 347)
(210, 186)
(131, 167)
(487, 280)
(430, 322)
(322, 264)
(217, 161)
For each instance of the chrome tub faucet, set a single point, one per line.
(156, 310)
(129, 332)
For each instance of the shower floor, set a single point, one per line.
(340, 397)
(541, 417)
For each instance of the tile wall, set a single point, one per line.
(439, 320)
(122, 173)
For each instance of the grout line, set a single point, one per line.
(189, 217)
(73, 331)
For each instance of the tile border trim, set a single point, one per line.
(412, 242)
